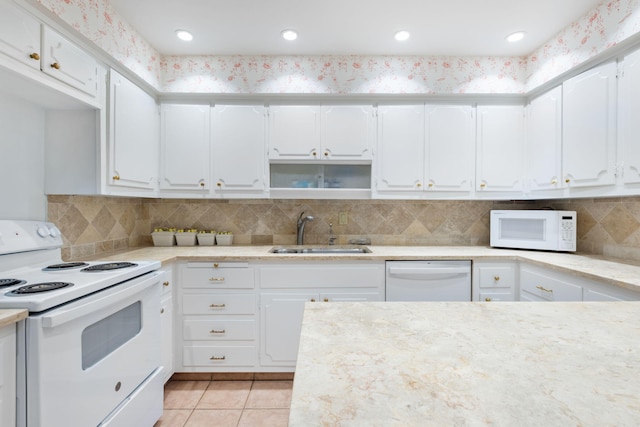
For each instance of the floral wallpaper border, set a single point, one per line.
(599, 29)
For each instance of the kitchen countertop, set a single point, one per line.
(11, 316)
(445, 364)
(621, 273)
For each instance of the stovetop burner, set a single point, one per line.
(38, 287)
(109, 266)
(64, 266)
(11, 282)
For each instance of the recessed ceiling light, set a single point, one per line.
(402, 35)
(289, 35)
(184, 35)
(516, 37)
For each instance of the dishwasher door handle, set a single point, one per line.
(429, 273)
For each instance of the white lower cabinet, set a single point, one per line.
(286, 288)
(166, 317)
(8, 375)
(217, 317)
(494, 281)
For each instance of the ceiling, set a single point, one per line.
(350, 27)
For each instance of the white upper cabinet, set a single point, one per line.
(67, 62)
(132, 162)
(19, 35)
(544, 141)
(400, 159)
(326, 133)
(239, 150)
(628, 124)
(500, 139)
(450, 147)
(184, 147)
(589, 127)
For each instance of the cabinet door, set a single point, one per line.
(588, 138)
(281, 323)
(544, 142)
(239, 152)
(347, 132)
(500, 148)
(166, 325)
(294, 132)
(628, 124)
(450, 147)
(133, 136)
(184, 147)
(400, 160)
(67, 62)
(19, 35)
(8, 376)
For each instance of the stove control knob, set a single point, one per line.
(43, 232)
(54, 232)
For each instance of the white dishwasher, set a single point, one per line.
(428, 281)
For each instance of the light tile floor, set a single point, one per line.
(222, 403)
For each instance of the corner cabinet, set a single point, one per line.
(589, 127)
(238, 142)
(132, 155)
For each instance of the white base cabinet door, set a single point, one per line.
(8, 376)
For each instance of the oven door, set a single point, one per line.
(86, 357)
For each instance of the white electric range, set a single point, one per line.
(89, 351)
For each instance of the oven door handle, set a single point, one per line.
(118, 293)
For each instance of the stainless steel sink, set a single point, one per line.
(321, 250)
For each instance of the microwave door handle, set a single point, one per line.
(63, 315)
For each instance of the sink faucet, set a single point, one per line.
(301, 222)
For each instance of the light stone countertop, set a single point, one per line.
(615, 272)
(468, 364)
(10, 316)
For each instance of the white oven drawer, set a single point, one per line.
(225, 276)
(219, 304)
(200, 330)
(222, 355)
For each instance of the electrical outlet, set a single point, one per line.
(343, 218)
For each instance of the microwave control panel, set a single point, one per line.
(568, 230)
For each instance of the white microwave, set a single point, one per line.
(534, 229)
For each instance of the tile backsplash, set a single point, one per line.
(95, 224)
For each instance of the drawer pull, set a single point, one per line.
(487, 299)
(165, 284)
(543, 289)
(217, 357)
(326, 300)
(496, 278)
(218, 305)
(216, 279)
(214, 331)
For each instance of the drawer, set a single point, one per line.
(224, 276)
(219, 304)
(495, 296)
(322, 275)
(547, 287)
(213, 329)
(496, 276)
(217, 356)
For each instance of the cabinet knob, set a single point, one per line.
(496, 278)
(35, 56)
(165, 283)
(326, 300)
(419, 184)
(554, 181)
(567, 180)
(217, 305)
(116, 177)
(55, 65)
(487, 299)
(201, 184)
(483, 185)
(216, 265)
(218, 184)
(431, 185)
(314, 154)
(217, 357)
(162, 311)
(312, 300)
(326, 154)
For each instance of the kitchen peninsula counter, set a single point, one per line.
(437, 364)
(615, 272)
